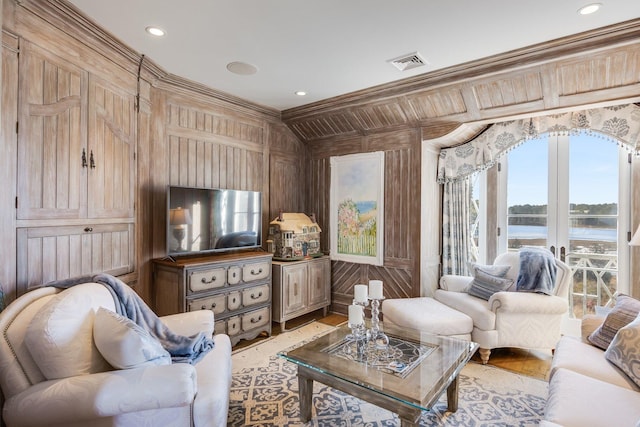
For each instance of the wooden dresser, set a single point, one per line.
(236, 287)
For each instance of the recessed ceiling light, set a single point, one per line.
(300, 93)
(155, 31)
(242, 68)
(589, 9)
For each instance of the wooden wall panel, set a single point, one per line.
(288, 189)
(8, 164)
(207, 149)
(400, 272)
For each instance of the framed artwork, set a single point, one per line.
(357, 208)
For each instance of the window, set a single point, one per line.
(569, 194)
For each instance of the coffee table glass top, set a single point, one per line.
(415, 370)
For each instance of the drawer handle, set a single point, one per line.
(253, 296)
(213, 305)
(206, 282)
(204, 307)
(254, 272)
(233, 300)
(254, 320)
(234, 275)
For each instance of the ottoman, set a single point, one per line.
(428, 315)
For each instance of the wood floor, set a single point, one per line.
(532, 363)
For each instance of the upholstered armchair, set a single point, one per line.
(510, 318)
(57, 355)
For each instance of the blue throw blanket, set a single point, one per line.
(537, 271)
(128, 304)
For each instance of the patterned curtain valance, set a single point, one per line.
(618, 123)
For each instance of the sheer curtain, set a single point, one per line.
(620, 123)
(455, 226)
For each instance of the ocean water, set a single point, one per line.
(576, 233)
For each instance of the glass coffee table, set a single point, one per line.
(406, 378)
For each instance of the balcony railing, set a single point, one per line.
(595, 281)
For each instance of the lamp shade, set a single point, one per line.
(635, 240)
(179, 216)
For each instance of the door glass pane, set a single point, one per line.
(527, 188)
(593, 222)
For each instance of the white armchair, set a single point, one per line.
(44, 391)
(510, 319)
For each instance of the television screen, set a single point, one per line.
(209, 220)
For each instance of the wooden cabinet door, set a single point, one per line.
(51, 136)
(54, 253)
(111, 151)
(319, 281)
(294, 288)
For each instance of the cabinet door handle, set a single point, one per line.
(207, 282)
(253, 296)
(254, 272)
(92, 162)
(84, 158)
(295, 289)
(254, 320)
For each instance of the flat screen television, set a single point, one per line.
(202, 220)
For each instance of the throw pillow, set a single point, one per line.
(484, 284)
(494, 270)
(624, 312)
(124, 344)
(624, 350)
(60, 336)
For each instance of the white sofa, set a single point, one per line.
(510, 319)
(73, 385)
(585, 389)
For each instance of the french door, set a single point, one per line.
(570, 194)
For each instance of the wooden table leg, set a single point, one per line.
(452, 395)
(305, 393)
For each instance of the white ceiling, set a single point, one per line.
(332, 47)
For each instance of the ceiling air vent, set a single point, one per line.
(407, 62)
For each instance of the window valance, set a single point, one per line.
(620, 124)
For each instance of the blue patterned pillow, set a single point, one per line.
(624, 350)
(484, 284)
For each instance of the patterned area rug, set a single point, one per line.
(265, 393)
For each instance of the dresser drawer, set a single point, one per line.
(255, 295)
(256, 271)
(234, 325)
(234, 274)
(220, 327)
(234, 300)
(256, 319)
(214, 303)
(207, 279)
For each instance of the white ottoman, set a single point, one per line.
(428, 315)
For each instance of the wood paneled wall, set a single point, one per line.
(400, 271)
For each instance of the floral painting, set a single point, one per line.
(357, 208)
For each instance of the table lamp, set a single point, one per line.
(179, 218)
